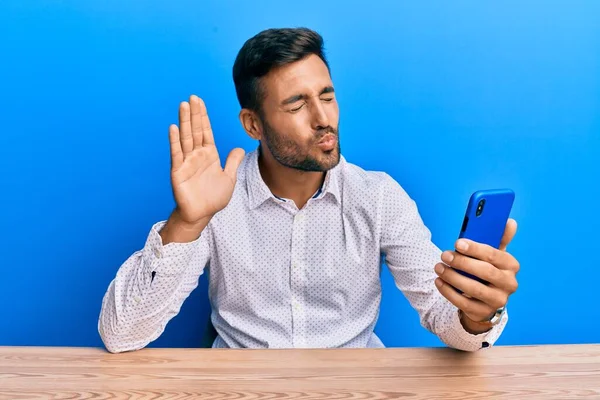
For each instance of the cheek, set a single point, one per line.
(298, 129)
(291, 132)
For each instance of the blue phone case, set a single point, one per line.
(486, 217)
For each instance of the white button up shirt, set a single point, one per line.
(280, 277)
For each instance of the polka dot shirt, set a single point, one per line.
(283, 277)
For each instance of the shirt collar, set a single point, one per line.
(259, 192)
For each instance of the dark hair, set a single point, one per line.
(269, 49)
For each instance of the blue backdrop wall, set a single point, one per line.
(447, 97)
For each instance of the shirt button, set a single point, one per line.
(157, 253)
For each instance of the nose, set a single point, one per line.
(320, 119)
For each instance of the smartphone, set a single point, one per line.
(485, 219)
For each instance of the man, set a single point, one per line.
(292, 233)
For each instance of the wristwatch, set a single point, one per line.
(497, 316)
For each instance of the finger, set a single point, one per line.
(509, 233)
(175, 144)
(474, 309)
(207, 133)
(481, 269)
(234, 159)
(499, 259)
(185, 128)
(492, 296)
(196, 117)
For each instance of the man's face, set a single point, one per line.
(300, 116)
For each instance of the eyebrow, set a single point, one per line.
(298, 97)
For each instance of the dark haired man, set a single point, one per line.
(292, 233)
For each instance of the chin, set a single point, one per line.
(329, 159)
(320, 161)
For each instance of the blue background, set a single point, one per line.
(447, 97)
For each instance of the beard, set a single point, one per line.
(290, 154)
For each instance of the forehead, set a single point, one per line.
(307, 76)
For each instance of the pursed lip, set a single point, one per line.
(329, 136)
(328, 142)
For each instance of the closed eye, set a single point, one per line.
(297, 108)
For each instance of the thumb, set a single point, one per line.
(234, 159)
(509, 233)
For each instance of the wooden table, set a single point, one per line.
(532, 372)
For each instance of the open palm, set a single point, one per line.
(200, 186)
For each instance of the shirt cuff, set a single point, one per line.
(171, 259)
(473, 342)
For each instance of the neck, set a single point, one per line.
(288, 183)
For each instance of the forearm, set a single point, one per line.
(133, 314)
(148, 291)
(445, 321)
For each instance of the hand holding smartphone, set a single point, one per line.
(481, 294)
(485, 219)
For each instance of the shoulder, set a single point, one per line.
(358, 179)
(375, 192)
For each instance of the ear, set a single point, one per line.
(251, 123)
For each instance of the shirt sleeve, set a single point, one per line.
(149, 289)
(411, 256)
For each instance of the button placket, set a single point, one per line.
(297, 282)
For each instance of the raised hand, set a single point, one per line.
(200, 185)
